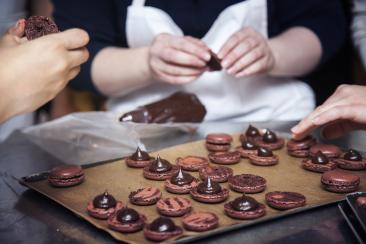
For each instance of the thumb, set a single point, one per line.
(18, 28)
(72, 38)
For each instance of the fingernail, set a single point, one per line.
(230, 71)
(207, 56)
(295, 129)
(219, 55)
(224, 63)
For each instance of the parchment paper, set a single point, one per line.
(120, 180)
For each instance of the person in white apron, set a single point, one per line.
(126, 72)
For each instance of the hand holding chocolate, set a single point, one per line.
(179, 107)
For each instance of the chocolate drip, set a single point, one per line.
(163, 224)
(352, 155)
(104, 201)
(244, 203)
(264, 152)
(320, 158)
(252, 131)
(269, 136)
(140, 155)
(127, 216)
(181, 178)
(209, 187)
(160, 165)
(248, 145)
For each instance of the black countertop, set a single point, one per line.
(26, 216)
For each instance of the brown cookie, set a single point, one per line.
(270, 140)
(200, 221)
(103, 206)
(161, 229)
(174, 206)
(351, 160)
(216, 173)
(37, 26)
(247, 183)
(126, 220)
(160, 169)
(145, 196)
(192, 163)
(319, 163)
(181, 183)
(66, 175)
(264, 157)
(218, 142)
(209, 192)
(331, 151)
(300, 148)
(244, 207)
(225, 158)
(139, 159)
(285, 200)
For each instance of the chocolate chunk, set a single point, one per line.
(104, 201)
(248, 145)
(209, 187)
(127, 216)
(162, 224)
(319, 158)
(352, 155)
(37, 26)
(181, 178)
(179, 107)
(140, 155)
(160, 165)
(244, 203)
(264, 152)
(252, 131)
(214, 63)
(269, 136)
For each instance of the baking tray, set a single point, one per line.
(352, 221)
(120, 180)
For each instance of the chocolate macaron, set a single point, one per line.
(270, 140)
(139, 159)
(192, 163)
(351, 160)
(216, 173)
(300, 148)
(103, 206)
(37, 26)
(218, 142)
(200, 221)
(247, 183)
(209, 192)
(264, 157)
(174, 206)
(145, 196)
(245, 207)
(246, 149)
(331, 151)
(250, 134)
(181, 183)
(283, 200)
(161, 229)
(340, 181)
(127, 220)
(160, 169)
(319, 163)
(230, 157)
(66, 175)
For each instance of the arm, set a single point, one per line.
(359, 29)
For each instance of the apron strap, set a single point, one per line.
(139, 3)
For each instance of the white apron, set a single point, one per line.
(226, 98)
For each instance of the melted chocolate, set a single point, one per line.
(352, 155)
(181, 178)
(127, 216)
(140, 155)
(209, 187)
(214, 63)
(319, 158)
(269, 136)
(160, 165)
(252, 131)
(264, 152)
(248, 145)
(104, 201)
(179, 107)
(244, 203)
(163, 224)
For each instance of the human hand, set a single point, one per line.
(246, 53)
(342, 112)
(177, 60)
(33, 72)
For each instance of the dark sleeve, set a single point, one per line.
(323, 17)
(101, 19)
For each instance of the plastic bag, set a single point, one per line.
(96, 136)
